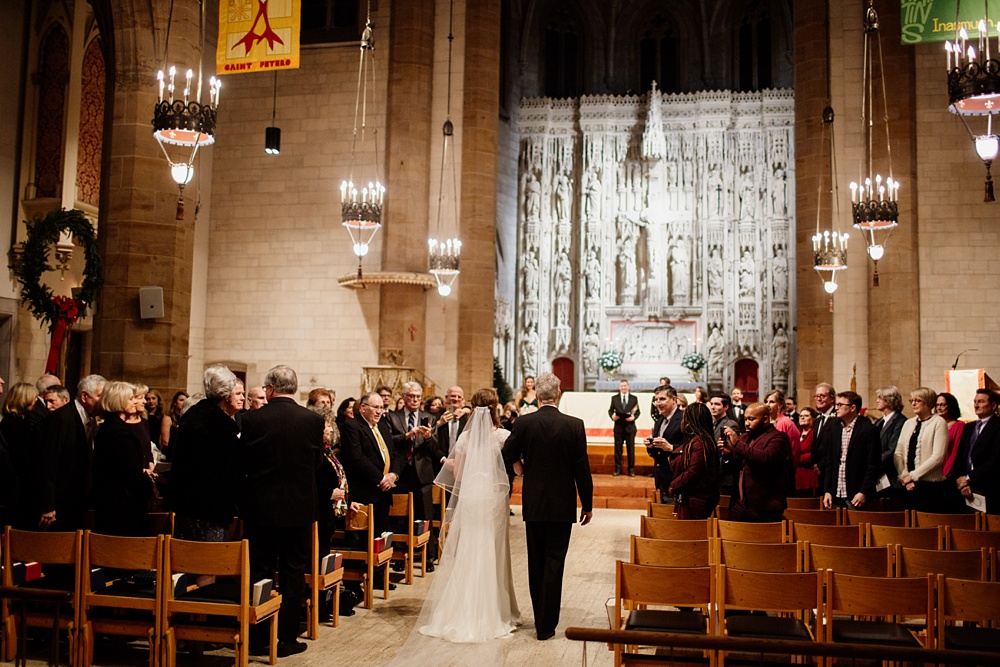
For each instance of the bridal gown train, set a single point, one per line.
(474, 601)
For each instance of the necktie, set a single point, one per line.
(972, 440)
(911, 455)
(410, 423)
(382, 448)
(452, 433)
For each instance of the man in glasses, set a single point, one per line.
(371, 466)
(853, 460)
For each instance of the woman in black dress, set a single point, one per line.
(15, 457)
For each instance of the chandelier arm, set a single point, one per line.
(451, 38)
(166, 40)
(357, 106)
(454, 188)
(201, 45)
(968, 128)
(885, 102)
(444, 152)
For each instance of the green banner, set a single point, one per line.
(934, 20)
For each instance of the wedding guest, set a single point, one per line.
(345, 411)
(18, 443)
(978, 464)
(792, 409)
(55, 397)
(806, 480)
(434, 405)
(170, 421)
(719, 405)
(947, 408)
(509, 415)
(919, 456)
(122, 484)
(385, 393)
(204, 477)
(256, 398)
(526, 399)
(890, 403)
(701, 395)
(695, 466)
(775, 402)
(322, 397)
(154, 410)
(138, 424)
(665, 435)
(39, 410)
(762, 453)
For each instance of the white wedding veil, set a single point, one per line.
(459, 623)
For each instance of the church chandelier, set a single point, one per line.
(179, 117)
(829, 245)
(362, 202)
(974, 87)
(874, 197)
(444, 255)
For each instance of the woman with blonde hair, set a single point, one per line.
(919, 456)
(16, 454)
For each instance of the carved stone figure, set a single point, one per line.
(591, 350)
(746, 274)
(779, 275)
(564, 276)
(592, 201)
(748, 196)
(532, 197)
(626, 254)
(529, 351)
(530, 276)
(562, 198)
(778, 192)
(680, 272)
(779, 355)
(714, 273)
(715, 189)
(592, 274)
(715, 357)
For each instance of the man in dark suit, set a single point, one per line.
(739, 407)
(666, 431)
(762, 453)
(889, 402)
(553, 450)
(372, 468)
(624, 411)
(39, 410)
(824, 397)
(977, 466)
(853, 462)
(282, 448)
(62, 463)
(452, 421)
(416, 446)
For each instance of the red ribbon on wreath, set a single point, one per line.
(69, 312)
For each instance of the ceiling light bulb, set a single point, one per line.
(444, 290)
(830, 286)
(182, 173)
(360, 249)
(987, 147)
(876, 252)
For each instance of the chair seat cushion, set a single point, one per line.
(767, 627)
(662, 620)
(972, 639)
(873, 632)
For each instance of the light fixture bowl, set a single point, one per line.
(181, 124)
(876, 252)
(830, 287)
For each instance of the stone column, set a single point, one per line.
(480, 119)
(402, 316)
(140, 241)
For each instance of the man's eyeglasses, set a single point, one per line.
(843, 405)
(379, 408)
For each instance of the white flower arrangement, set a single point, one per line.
(694, 361)
(610, 360)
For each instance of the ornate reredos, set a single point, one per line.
(655, 242)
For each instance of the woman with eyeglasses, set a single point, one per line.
(920, 453)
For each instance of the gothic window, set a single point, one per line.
(754, 51)
(53, 75)
(658, 51)
(326, 21)
(562, 48)
(88, 170)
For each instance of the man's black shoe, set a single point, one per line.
(286, 649)
(397, 566)
(542, 636)
(430, 567)
(618, 473)
(263, 649)
(631, 473)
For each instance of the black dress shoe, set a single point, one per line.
(430, 567)
(631, 473)
(392, 586)
(398, 567)
(263, 649)
(286, 649)
(618, 473)
(542, 636)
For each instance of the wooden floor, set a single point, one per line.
(374, 637)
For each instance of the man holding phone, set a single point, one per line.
(418, 450)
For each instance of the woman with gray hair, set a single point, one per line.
(919, 455)
(203, 478)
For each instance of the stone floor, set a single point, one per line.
(373, 637)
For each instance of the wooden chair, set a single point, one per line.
(318, 583)
(859, 561)
(933, 520)
(227, 599)
(160, 523)
(127, 605)
(885, 598)
(804, 503)
(659, 510)
(991, 521)
(642, 585)
(440, 500)
(795, 595)
(841, 536)
(968, 600)
(60, 557)
(959, 539)
(740, 531)
(858, 517)
(972, 564)
(917, 538)
(670, 553)
(816, 517)
(405, 545)
(758, 557)
(360, 565)
(672, 529)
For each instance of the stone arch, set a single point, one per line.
(727, 21)
(53, 70)
(592, 48)
(632, 24)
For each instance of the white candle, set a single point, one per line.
(159, 79)
(343, 191)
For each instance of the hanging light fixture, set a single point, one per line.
(874, 199)
(445, 255)
(362, 211)
(272, 135)
(830, 245)
(974, 87)
(179, 117)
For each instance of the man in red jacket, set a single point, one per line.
(761, 453)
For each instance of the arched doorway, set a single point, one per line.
(745, 376)
(564, 369)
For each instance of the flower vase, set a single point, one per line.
(611, 373)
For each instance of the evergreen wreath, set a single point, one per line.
(34, 262)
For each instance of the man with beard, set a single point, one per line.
(761, 453)
(718, 405)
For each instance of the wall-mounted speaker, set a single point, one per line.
(150, 303)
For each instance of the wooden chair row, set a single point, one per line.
(898, 561)
(823, 606)
(146, 587)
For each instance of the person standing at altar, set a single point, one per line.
(666, 434)
(624, 411)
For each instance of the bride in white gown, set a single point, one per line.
(471, 599)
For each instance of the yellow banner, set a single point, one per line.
(258, 35)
